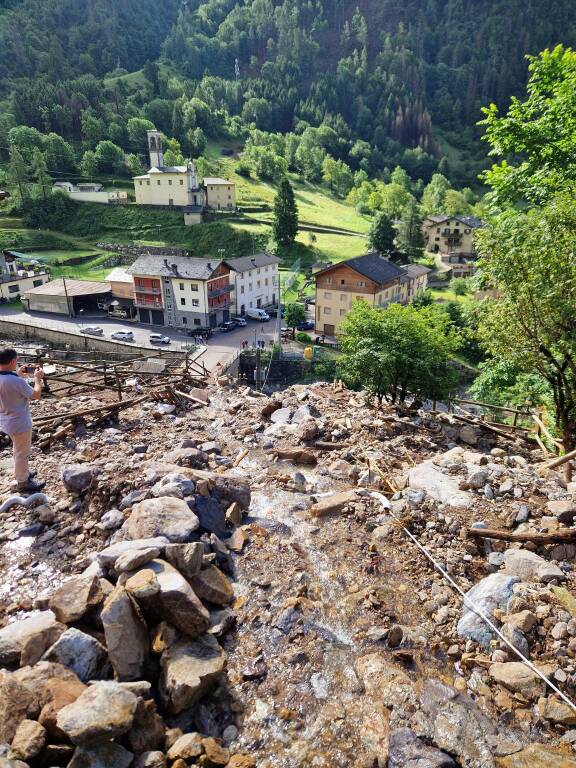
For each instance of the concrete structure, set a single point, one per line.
(220, 193)
(456, 264)
(256, 282)
(181, 291)
(91, 193)
(370, 278)
(65, 296)
(450, 234)
(14, 279)
(121, 305)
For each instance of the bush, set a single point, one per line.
(303, 338)
(244, 169)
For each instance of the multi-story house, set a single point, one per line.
(220, 193)
(256, 282)
(15, 279)
(450, 234)
(181, 291)
(370, 278)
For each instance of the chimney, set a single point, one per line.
(174, 268)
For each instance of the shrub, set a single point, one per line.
(303, 338)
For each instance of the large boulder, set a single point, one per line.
(37, 677)
(445, 488)
(81, 653)
(189, 670)
(58, 694)
(176, 602)
(164, 516)
(529, 566)
(231, 487)
(75, 598)
(406, 750)
(29, 740)
(210, 514)
(104, 756)
(107, 557)
(78, 477)
(212, 585)
(492, 592)
(126, 635)
(186, 558)
(23, 642)
(148, 729)
(103, 712)
(16, 701)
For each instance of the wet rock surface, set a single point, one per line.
(234, 594)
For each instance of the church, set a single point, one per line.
(178, 186)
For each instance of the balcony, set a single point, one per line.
(224, 305)
(153, 290)
(213, 293)
(144, 301)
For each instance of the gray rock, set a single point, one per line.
(173, 485)
(281, 416)
(477, 479)
(135, 558)
(38, 632)
(126, 635)
(75, 598)
(164, 516)
(102, 712)
(105, 756)
(211, 447)
(151, 760)
(488, 492)
(496, 559)
(506, 487)
(189, 670)
(210, 514)
(563, 509)
(80, 652)
(406, 750)
(302, 413)
(516, 638)
(132, 497)
(523, 514)
(445, 488)
(111, 520)
(107, 557)
(188, 457)
(492, 592)
(529, 566)
(455, 724)
(176, 602)
(468, 435)
(231, 487)
(78, 478)
(186, 558)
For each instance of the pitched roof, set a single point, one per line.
(470, 221)
(246, 263)
(416, 270)
(174, 266)
(71, 288)
(216, 180)
(372, 265)
(119, 275)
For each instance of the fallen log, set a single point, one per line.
(556, 537)
(192, 399)
(559, 461)
(323, 445)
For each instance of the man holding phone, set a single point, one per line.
(15, 419)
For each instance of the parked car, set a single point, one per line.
(309, 300)
(229, 325)
(122, 336)
(273, 311)
(257, 314)
(307, 325)
(158, 338)
(241, 321)
(92, 330)
(200, 331)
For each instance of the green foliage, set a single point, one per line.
(434, 195)
(56, 211)
(399, 351)
(108, 157)
(381, 235)
(303, 338)
(500, 383)
(294, 314)
(460, 286)
(243, 168)
(529, 259)
(423, 299)
(137, 133)
(285, 226)
(536, 139)
(337, 175)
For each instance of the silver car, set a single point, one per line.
(92, 330)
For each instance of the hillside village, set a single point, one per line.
(287, 384)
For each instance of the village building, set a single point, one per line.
(121, 304)
(66, 296)
(451, 239)
(181, 292)
(178, 186)
(370, 278)
(91, 193)
(19, 273)
(255, 282)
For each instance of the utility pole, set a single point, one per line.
(67, 297)
(258, 371)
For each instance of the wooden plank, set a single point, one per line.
(541, 538)
(504, 408)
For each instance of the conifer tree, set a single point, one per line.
(382, 234)
(410, 239)
(285, 215)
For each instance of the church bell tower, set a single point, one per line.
(155, 149)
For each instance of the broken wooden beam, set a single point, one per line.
(556, 537)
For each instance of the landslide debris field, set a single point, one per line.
(216, 585)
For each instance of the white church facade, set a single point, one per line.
(174, 186)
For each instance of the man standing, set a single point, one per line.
(15, 419)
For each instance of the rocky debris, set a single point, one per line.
(102, 756)
(189, 669)
(16, 702)
(492, 592)
(186, 558)
(58, 693)
(108, 556)
(28, 740)
(406, 750)
(102, 712)
(442, 487)
(529, 566)
(165, 516)
(80, 652)
(518, 677)
(79, 477)
(332, 504)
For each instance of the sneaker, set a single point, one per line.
(31, 486)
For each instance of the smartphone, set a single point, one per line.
(30, 368)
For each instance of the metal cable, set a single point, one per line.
(470, 604)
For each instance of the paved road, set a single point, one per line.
(221, 348)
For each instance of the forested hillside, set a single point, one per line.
(372, 84)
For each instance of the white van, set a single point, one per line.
(257, 314)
